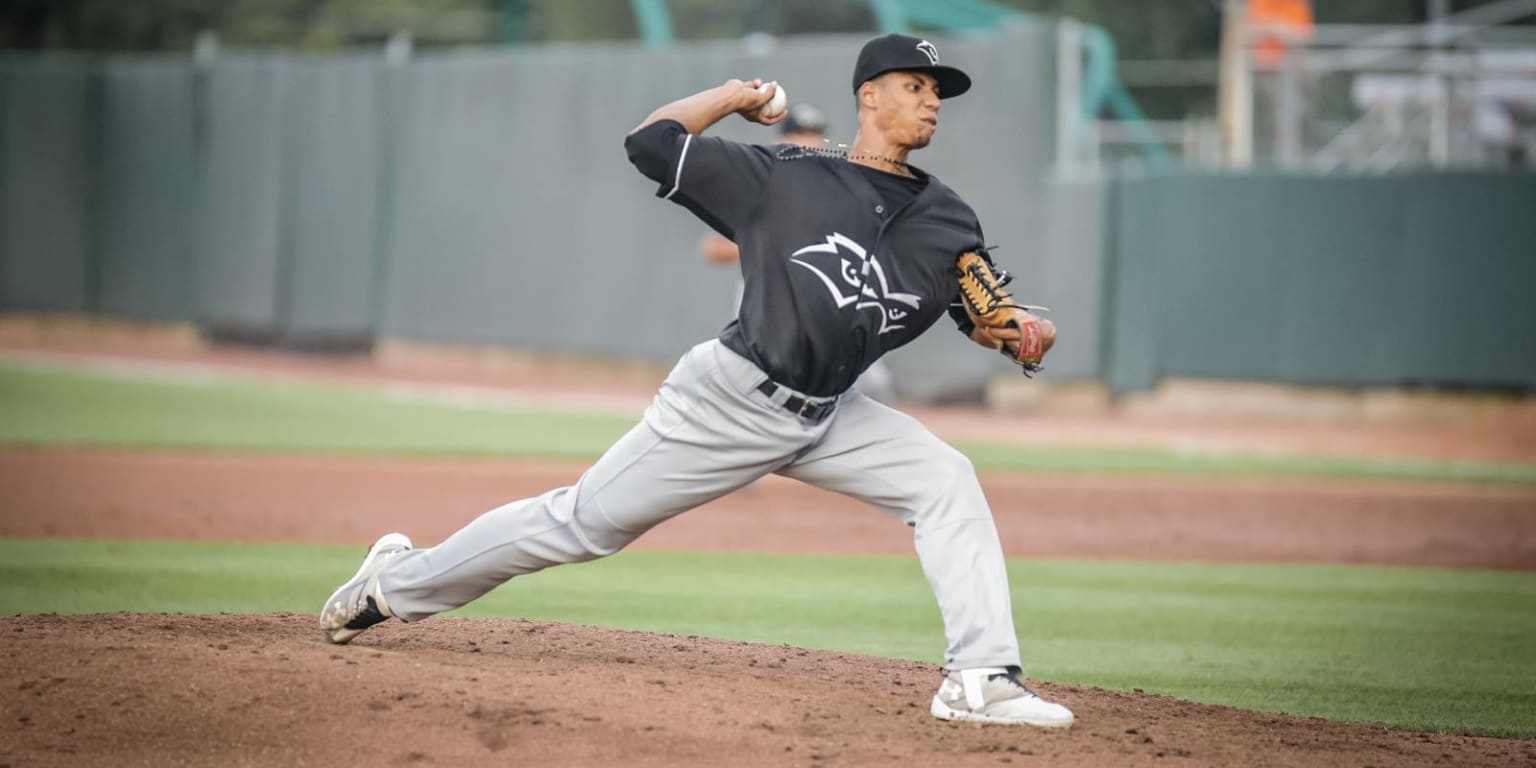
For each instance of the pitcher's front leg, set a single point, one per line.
(886, 458)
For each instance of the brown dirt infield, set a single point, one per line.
(346, 500)
(266, 690)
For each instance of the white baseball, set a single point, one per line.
(775, 105)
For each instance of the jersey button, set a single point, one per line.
(879, 209)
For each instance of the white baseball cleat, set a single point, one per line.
(995, 695)
(358, 604)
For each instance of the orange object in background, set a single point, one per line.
(1282, 22)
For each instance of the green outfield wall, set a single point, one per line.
(482, 197)
(1418, 279)
(48, 156)
(145, 224)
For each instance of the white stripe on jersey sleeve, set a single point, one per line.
(677, 180)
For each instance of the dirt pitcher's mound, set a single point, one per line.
(142, 689)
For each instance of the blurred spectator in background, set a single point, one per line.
(807, 126)
(1282, 24)
(1505, 110)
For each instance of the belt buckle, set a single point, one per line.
(817, 411)
(805, 405)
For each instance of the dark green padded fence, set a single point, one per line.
(144, 226)
(465, 196)
(1416, 279)
(241, 169)
(334, 188)
(483, 197)
(47, 124)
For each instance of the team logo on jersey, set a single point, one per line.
(930, 51)
(854, 276)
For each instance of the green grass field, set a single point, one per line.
(1414, 648)
(67, 407)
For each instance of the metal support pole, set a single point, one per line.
(512, 21)
(1289, 112)
(1440, 109)
(655, 22)
(1440, 122)
(1069, 98)
(1235, 88)
(890, 17)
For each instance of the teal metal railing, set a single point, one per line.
(1101, 88)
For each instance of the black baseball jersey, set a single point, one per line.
(833, 279)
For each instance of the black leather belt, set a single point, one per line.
(798, 405)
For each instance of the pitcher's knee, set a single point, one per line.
(954, 470)
(598, 536)
(948, 487)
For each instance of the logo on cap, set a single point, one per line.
(928, 50)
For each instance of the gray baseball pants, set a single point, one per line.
(709, 432)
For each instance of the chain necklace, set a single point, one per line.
(898, 164)
(841, 151)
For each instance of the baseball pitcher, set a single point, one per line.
(845, 256)
(805, 126)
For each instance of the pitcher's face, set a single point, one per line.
(906, 107)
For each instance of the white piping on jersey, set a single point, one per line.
(677, 180)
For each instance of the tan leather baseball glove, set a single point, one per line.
(1001, 323)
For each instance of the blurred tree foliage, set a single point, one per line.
(148, 25)
(1143, 29)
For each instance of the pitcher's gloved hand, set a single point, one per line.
(999, 322)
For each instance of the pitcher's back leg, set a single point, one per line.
(695, 443)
